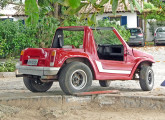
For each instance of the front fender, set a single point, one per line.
(138, 62)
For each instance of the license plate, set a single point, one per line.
(32, 62)
(132, 36)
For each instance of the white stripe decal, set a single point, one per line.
(100, 67)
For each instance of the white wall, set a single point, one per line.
(19, 18)
(131, 18)
(9, 10)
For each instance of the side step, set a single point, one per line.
(97, 92)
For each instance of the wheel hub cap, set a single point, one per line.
(78, 79)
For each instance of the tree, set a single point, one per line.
(50, 7)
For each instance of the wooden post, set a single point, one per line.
(145, 24)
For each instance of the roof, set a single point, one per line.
(108, 7)
(12, 10)
(20, 11)
(81, 28)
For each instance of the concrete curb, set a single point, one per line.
(7, 74)
(113, 101)
(145, 102)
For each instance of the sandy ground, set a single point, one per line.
(82, 113)
(14, 87)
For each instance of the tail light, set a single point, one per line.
(52, 58)
(155, 34)
(21, 56)
(140, 35)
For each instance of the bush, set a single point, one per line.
(45, 31)
(14, 36)
(8, 66)
(73, 38)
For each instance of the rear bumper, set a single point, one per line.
(135, 42)
(160, 41)
(39, 71)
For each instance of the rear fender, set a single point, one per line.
(86, 60)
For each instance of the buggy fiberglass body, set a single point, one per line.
(80, 54)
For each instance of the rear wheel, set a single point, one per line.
(75, 77)
(34, 84)
(104, 83)
(155, 43)
(146, 78)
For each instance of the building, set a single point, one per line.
(12, 12)
(122, 16)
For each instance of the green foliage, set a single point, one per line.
(45, 31)
(14, 36)
(32, 10)
(3, 3)
(153, 11)
(157, 3)
(101, 37)
(106, 37)
(148, 5)
(74, 3)
(121, 29)
(114, 5)
(72, 8)
(73, 37)
(8, 66)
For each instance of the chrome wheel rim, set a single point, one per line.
(78, 79)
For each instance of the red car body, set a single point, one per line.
(50, 61)
(102, 69)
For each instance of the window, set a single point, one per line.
(120, 20)
(135, 30)
(109, 47)
(161, 29)
(68, 38)
(73, 38)
(106, 37)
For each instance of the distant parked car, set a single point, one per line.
(137, 37)
(159, 36)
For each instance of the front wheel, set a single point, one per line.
(34, 84)
(146, 78)
(75, 77)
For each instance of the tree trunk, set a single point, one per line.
(55, 14)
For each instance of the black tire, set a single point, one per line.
(35, 84)
(75, 77)
(143, 44)
(104, 83)
(146, 78)
(155, 43)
